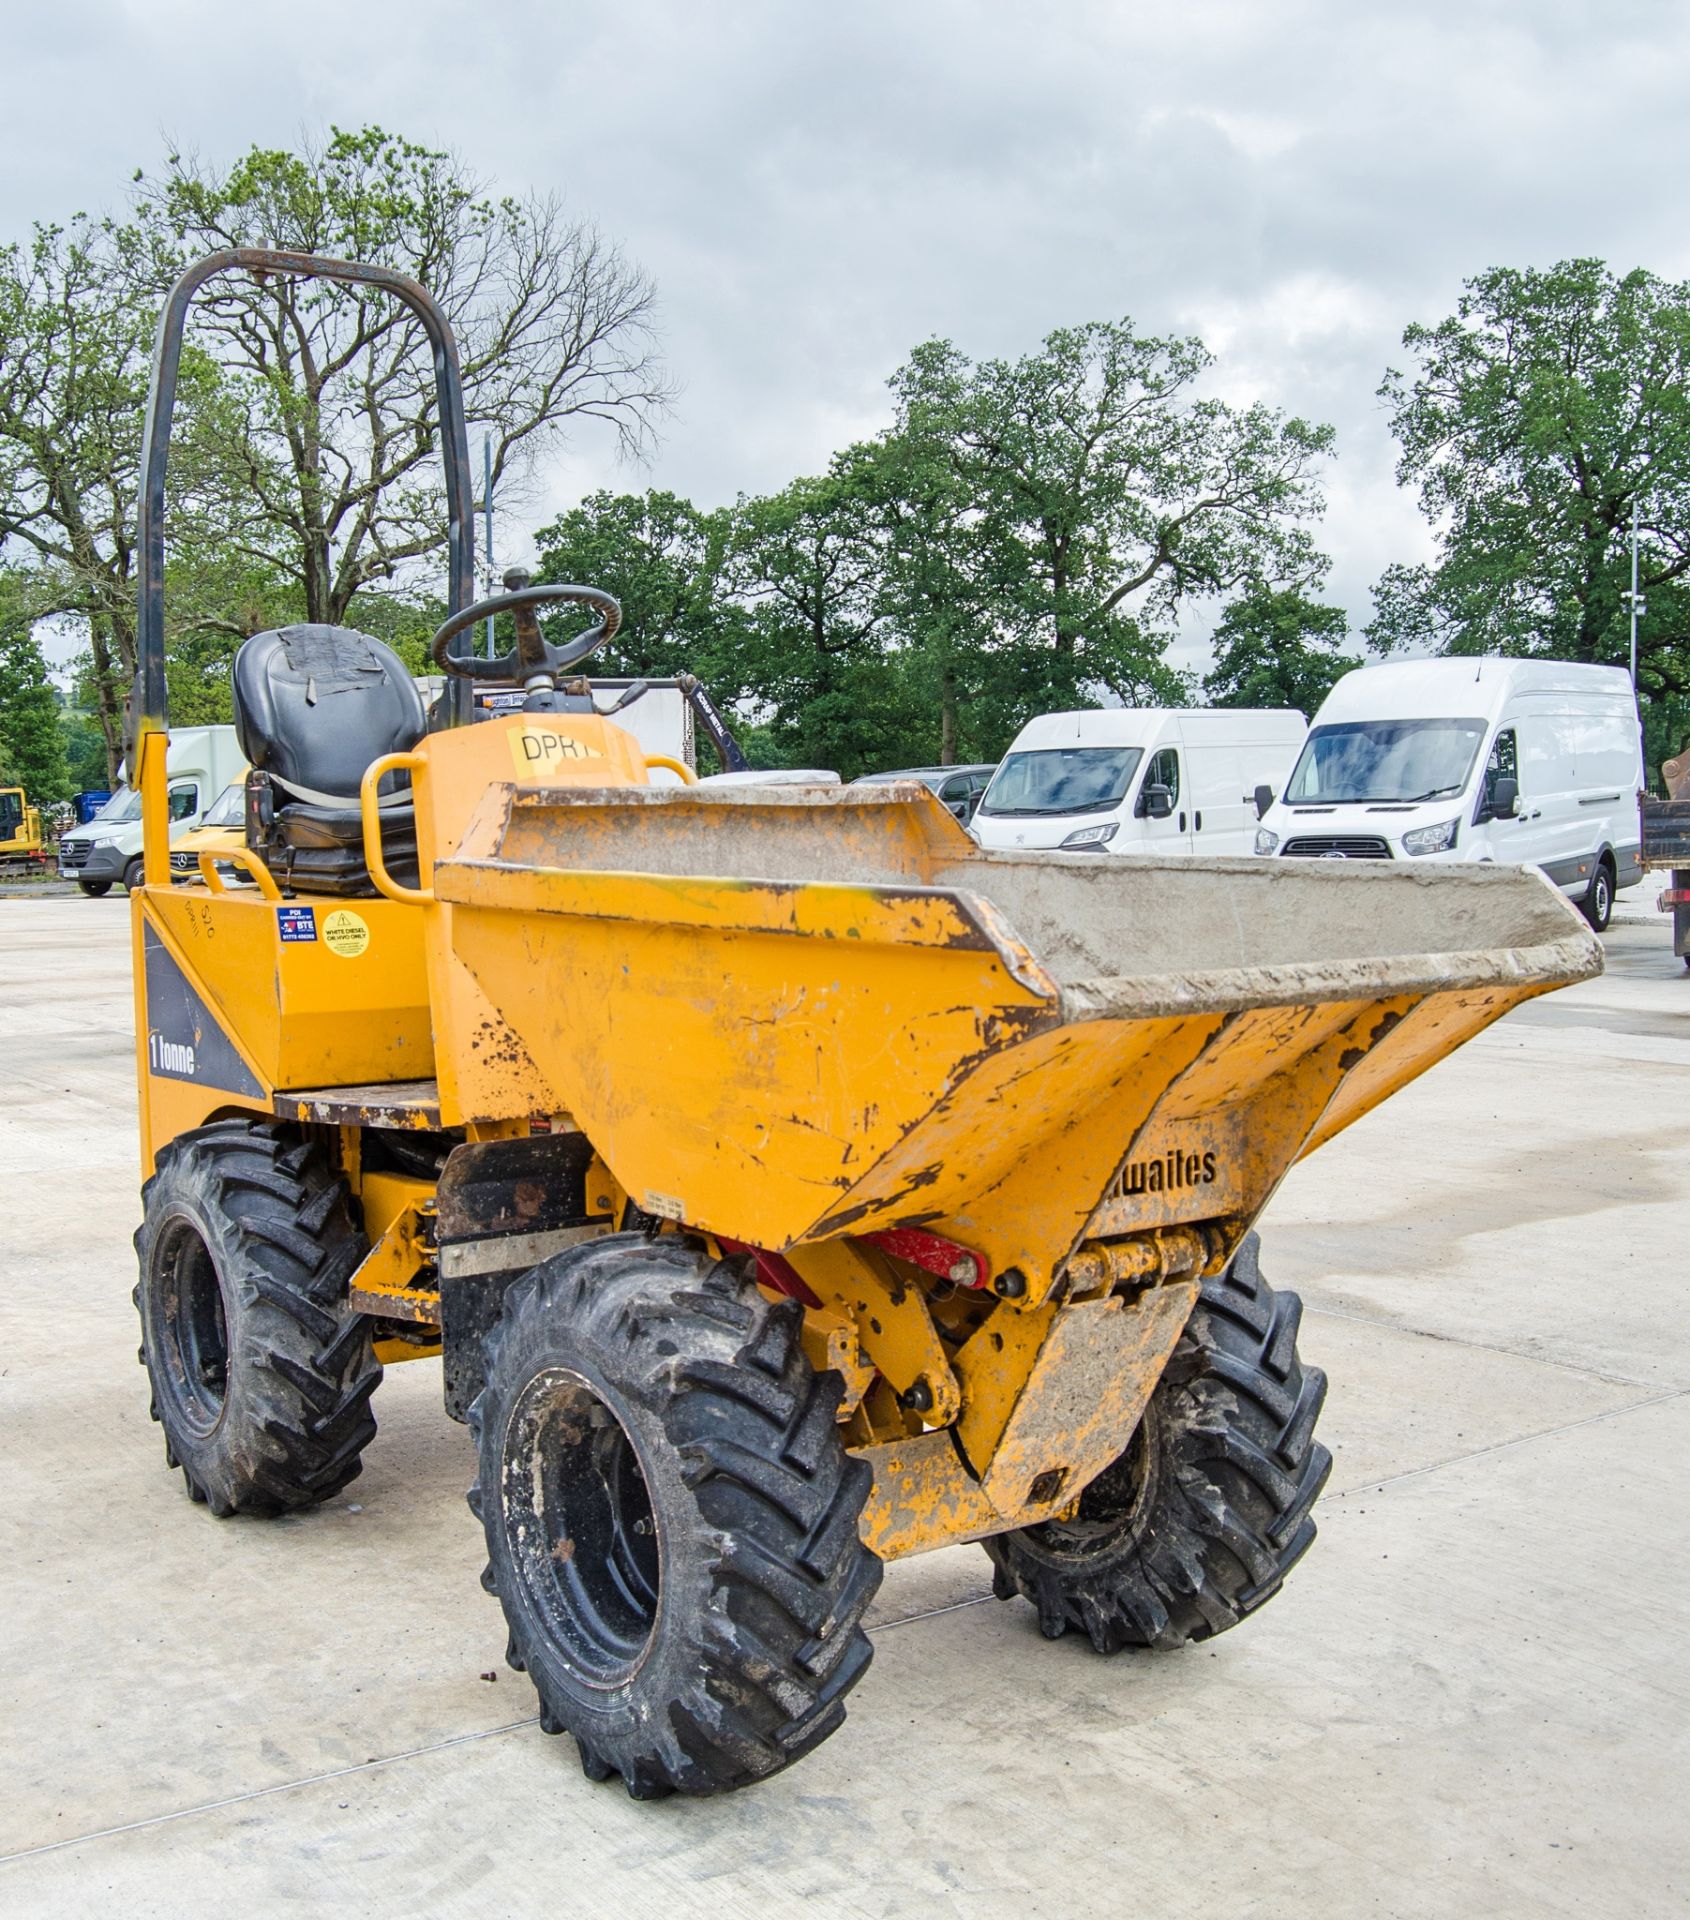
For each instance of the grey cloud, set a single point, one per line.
(817, 189)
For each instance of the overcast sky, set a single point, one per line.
(815, 188)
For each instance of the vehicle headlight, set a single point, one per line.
(1265, 841)
(1430, 839)
(1091, 836)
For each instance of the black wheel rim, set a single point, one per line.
(580, 1527)
(191, 1325)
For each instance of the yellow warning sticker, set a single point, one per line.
(538, 751)
(346, 933)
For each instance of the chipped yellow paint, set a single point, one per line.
(831, 1345)
(923, 1497)
(890, 1313)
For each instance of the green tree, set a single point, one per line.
(935, 590)
(32, 737)
(320, 456)
(663, 558)
(1536, 415)
(1110, 493)
(1275, 647)
(304, 472)
(76, 322)
(809, 565)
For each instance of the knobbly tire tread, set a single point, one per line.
(301, 1368)
(1230, 1472)
(758, 1636)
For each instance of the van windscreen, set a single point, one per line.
(1384, 760)
(229, 808)
(1062, 780)
(122, 807)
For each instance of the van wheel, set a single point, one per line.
(132, 874)
(95, 889)
(1598, 902)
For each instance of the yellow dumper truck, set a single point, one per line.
(783, 1183)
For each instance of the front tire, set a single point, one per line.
(1199, 1521)
(261, 1374)
(134, 874)
(671, 1517)
(95, 889)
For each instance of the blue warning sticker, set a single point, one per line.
(297, 923)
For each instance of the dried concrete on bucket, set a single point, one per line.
(1470, 1699)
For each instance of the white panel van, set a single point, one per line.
(201, 763)
(1138, 779)
(1530, 762)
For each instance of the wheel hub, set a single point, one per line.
(578, 1516)
(193, 1328)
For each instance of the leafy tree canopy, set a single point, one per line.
(1018, 539)
(1535, 417)
(304, 472)
(1275, 647)
(32, 738)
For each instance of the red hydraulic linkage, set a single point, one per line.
(934, 1254)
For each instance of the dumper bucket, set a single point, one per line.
(788, 1015)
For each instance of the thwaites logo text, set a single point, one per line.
(1168, 1173)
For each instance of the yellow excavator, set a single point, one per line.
(782, 1183)
(21, 841)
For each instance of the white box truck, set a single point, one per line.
(202, 761)
(1138, 779)
(1524, 762)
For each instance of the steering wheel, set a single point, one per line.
(535, 660)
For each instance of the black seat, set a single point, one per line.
(314, 705)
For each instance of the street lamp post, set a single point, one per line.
(492, 585)
(1636, 605)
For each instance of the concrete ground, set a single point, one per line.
(1469, 1700)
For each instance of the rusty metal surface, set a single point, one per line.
(533, 1184)
(419, 1306)
(404, 1104)
(500, 1253)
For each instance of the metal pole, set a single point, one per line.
(1632, 596)
(487, 508)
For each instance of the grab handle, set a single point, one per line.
(369, 810)
(246, 860)
(688, 777)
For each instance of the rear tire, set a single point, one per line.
(261, 1374)
(671, 1517)
(1199, 1521)
(95, 889)
(1598, 902)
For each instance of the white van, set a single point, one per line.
(1529, 762)
(202, 761)
(1138, 779)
